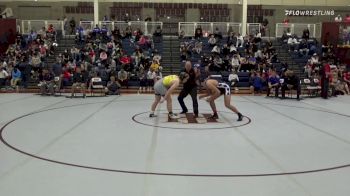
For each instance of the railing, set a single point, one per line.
(88, 26)
(147, 28)
(253, 28)
(189, 28)
(35, 25)
(298, 28)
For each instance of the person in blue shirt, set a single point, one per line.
(96, 31)
(273, 82)
(256, 82)
(16, 77)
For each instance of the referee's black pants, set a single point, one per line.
(184, 92)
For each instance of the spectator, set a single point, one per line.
(240, 41)
(123, 78)
(235, 63)
(155, 65)
(338, 18)
(3, 77)
(292, 43)
(198, 33)
(15, 77)
(306, 34)
(198, 47)
(217, 33)
(158, 32)
(212, 41)
(142, 75)
(233, 79)
(151, 77)
(113, 87)
(291, 81)
(256, 83)
(79, 81)
(72, 25)
(273, 83)
(347, 18)
(325, 73)
(46, 82)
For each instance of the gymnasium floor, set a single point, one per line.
(108, 146)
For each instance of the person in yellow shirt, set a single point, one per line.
(163, 89)
(155, 65)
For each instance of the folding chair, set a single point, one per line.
(96, 83)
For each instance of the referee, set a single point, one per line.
(189, 87)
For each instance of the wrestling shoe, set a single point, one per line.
(152, 115)
(214, 116)
(173, 116)
(240, 117)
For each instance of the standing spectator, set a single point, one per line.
(325, 79)
(198, 33)
(3, 77)
(154, 65)
(151, 77)
(16, 77)
(79, 81)
(65, 24)
(72, 25)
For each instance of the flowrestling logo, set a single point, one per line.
(309, 12)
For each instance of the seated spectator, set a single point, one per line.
(113, 87)
(273, 83)
(46, 82)
(198, 47)
(66, 77)
(212, 41)
(217, 33)
(79, 81)
(36, 61)
(15, 77)
(103, 57)
(257, 83)
(291, 81)
(233, 79)
(3, 77)
(292, 43)
(235, 63)
(232, 39)
(125, 61)
(143, 42)
(240, 41)
(303, 49)
(346, 77)
(216, 50)
(123, 78)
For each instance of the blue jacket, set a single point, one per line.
(16, 75)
